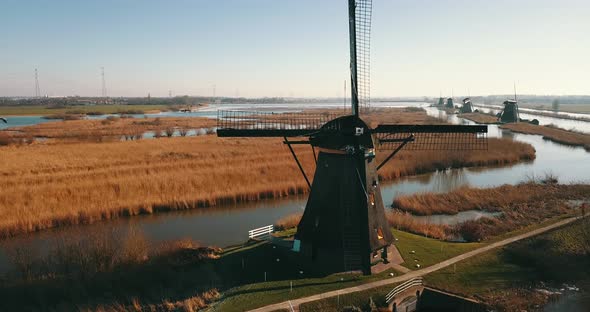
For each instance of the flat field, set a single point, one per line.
(26, 110)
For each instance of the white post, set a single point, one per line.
(291, 286)
(265, 276)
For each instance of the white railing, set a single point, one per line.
(263, 232)
(403, 287)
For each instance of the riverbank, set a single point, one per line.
(552, 133)
(48, 185)
(44, 110)
(519, 206)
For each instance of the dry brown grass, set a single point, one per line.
(521, 205)
(500, 152)
(552, 134)
(198, 302)
(480, 118)
(49, 185)
(288, 222)
(110, 129)
(489, 199)
(405, 222)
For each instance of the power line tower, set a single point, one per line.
(37, 91)
(103, 92)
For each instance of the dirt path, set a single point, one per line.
(295, 303)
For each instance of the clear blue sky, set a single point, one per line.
(292, 48)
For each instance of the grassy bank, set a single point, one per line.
(79, 181)
(25, 110)
(553, 134)
(506, 278)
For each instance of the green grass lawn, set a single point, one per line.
(105, 109)
(428, 251)
(556, 256)
(264, 293)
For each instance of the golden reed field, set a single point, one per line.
(45, 185)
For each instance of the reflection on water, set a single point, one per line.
(215, 226)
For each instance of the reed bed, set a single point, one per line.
(521, 205)
(47, 185)
(489, 199)
(553, 134)
(405, 222)
(111, 128)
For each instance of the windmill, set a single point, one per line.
(510, 113)
(343, 227)
(467, 106)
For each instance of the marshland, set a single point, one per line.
(87, 175)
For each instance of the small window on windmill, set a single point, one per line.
(359, 131)
(379, 233)
(372, 199)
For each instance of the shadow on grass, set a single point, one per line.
(175, 276)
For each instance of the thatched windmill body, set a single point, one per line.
(343, 227)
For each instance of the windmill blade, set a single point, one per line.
(269, 124)
(360, 14)
(431, 137)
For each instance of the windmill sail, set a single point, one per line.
(269, 124)
(360, 14)
(431, 137)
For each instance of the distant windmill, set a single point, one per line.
(510, 113)
(467, 106)
(344, 227)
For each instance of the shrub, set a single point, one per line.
(169, 132)
(471, 231)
